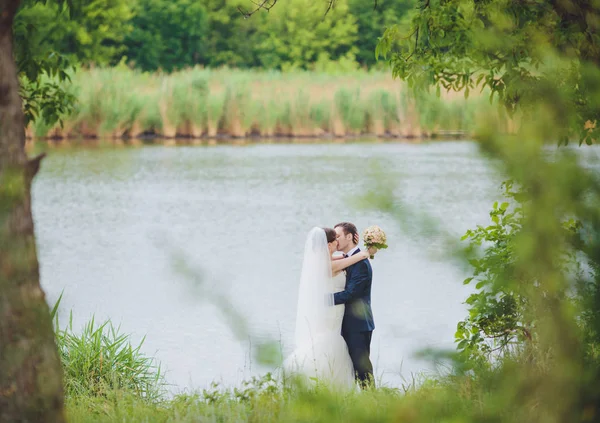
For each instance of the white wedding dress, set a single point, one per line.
(320, 351)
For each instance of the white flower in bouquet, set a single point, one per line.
(374, 236)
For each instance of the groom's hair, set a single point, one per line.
(348, 228)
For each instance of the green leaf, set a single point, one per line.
(54, 311)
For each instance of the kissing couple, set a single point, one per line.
(334, 320)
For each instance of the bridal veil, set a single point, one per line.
(314, 293)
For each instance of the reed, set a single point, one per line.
(204, 103)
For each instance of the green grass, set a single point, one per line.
(488, 397)
(199, 103)
(99, 360)
(108, 379)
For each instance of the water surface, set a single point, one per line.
(108, 221)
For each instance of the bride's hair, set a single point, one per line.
(330, 234)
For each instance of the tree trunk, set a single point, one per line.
(30, 371)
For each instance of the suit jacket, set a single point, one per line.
(358, 316)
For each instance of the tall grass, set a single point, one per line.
(202, 103)
(99, 360)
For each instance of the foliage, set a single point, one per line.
(496, 310)
(42, 92)
(521, 51)
(500, 317)
(88, 31)
(372, 20)
(167, 34)
(41, 70)
(294, 35)
(532, 300)
(231, 39)
(537, 281)
(171, 35)
(51, 37)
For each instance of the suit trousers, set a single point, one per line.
(359, 347)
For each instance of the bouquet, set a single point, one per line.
(373, 236)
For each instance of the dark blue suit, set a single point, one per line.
(358, 324)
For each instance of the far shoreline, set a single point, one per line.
(224, 139)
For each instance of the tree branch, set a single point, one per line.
(263, 4)
(269, 4)
(502, 346)
(329, 6)
(416, 43)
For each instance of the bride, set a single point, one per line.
(320, 351)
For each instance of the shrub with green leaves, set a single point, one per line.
(501, 319)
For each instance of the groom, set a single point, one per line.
(357, 325)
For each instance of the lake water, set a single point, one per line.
(111, 224)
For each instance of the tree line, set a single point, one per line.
(173, 34)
